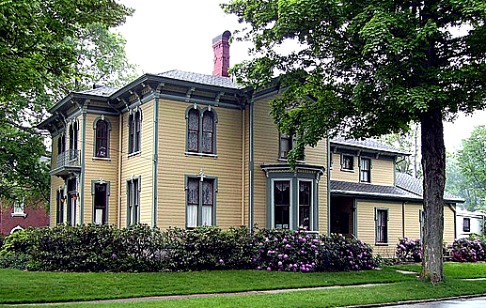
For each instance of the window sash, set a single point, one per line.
(305, 204)
(133, 199)
(365, 170)
(382, 226)
(466, 225)
(101, 139)
(281, 199)
(200, 202)
(347, 162)
(285, 145)
(208, 132)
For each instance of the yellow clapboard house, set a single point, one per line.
(185, 149)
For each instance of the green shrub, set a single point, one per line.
(409, 250)
(468, 250)
(339, 253)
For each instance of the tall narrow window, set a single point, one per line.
(466, 225)
(281, 197)
(381, 220)
(100, 203)
(208, 132)
(61, 144)
(73, 136)
(285, 145)
(133, 201)
(305, 202)
(193, 131)
(60, 206)
(102, 131)
(200, 202)
(134, 129)
(365, 170)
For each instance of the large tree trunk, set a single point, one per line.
(433, 164)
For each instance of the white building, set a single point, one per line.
(468, 223)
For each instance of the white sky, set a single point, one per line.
(166, 34)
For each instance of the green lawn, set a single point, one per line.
(37, 287)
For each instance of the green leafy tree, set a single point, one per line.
(471, 161)
(367, 68)
(45, 47)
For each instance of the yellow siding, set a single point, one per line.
(266, 151)
(412, 220)
(382, 172)
(140, 164)
(449, 224)
(366, 225)
(343, 175)
(101, 169)
(174, 165)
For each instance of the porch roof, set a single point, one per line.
(371, 191)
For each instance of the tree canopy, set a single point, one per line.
(366, 68)
(47, 48)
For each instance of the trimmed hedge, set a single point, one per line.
(141, 248)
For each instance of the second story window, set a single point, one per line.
(347, 162)
(134, 128)
(286, 143)
(365, 170)
(61, 144)
(201, 131)
(18, 208)
(102, 139)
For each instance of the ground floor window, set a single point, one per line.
(466, 225)
(305, 204)
(381, 221)
(60, 198)
(100, 201)
(281, 197)
(133, 201)
(200, 201)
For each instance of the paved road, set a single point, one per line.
(478, 302)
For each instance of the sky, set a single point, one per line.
(163, 35)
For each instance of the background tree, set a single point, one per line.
(472, 164)
(457, 184)
(44, 46)
(367, 68)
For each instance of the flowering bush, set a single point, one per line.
(339, 253)
(409, 250)
(468, 250)
(285, 250)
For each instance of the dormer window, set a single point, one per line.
(347, 162)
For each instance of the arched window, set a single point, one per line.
(102, 130)
(61, 144)
(193, 131)
(208, 135)
(201, 130)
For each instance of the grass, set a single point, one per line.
(37, 287)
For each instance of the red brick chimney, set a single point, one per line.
(221, 54)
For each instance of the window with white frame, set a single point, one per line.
(365, 170)
(133, 201)
(381, 225)
(18, 208)
(200, 199)
(347, 162)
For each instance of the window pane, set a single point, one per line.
(102, 139)
(304, 204)
(193, 131)
(131, 132)
(382, 226)
(282, 204)
(193, 191)
(285, 145)
(208, 192)
(100, 204)
(192, 216)
(208, 132)
(207, 215)
(348, 162)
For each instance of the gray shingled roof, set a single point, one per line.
(368, 144)
(370, 190)
(218, 81)
(415, 186)
(105, 91)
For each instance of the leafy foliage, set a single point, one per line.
(468, 250)
(48, 48)
(366, 68)
(144, 249)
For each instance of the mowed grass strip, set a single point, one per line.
(36, 287)
(388, 293)
(453, 269)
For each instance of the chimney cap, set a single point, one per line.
(225, 36)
